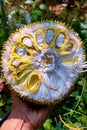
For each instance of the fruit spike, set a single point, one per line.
(42, 61)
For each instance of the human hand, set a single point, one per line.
(25, 115)
(33, 114)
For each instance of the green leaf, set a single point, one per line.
(83, 25)
(58, 126)
(36, 15)
(43, 6)
(47, 125)
(1, 114)
(84, 120)
(84, 33)
(84, 97)
(80, 83)
(8, 108)
(1, 103)
(9, 101)
(74, 94)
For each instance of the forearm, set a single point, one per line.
(16, 121)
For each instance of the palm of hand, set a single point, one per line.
(34, 114)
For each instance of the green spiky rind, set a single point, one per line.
(25, 97)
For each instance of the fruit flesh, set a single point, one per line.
(42, 61)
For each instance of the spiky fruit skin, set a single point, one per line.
(42, 61)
